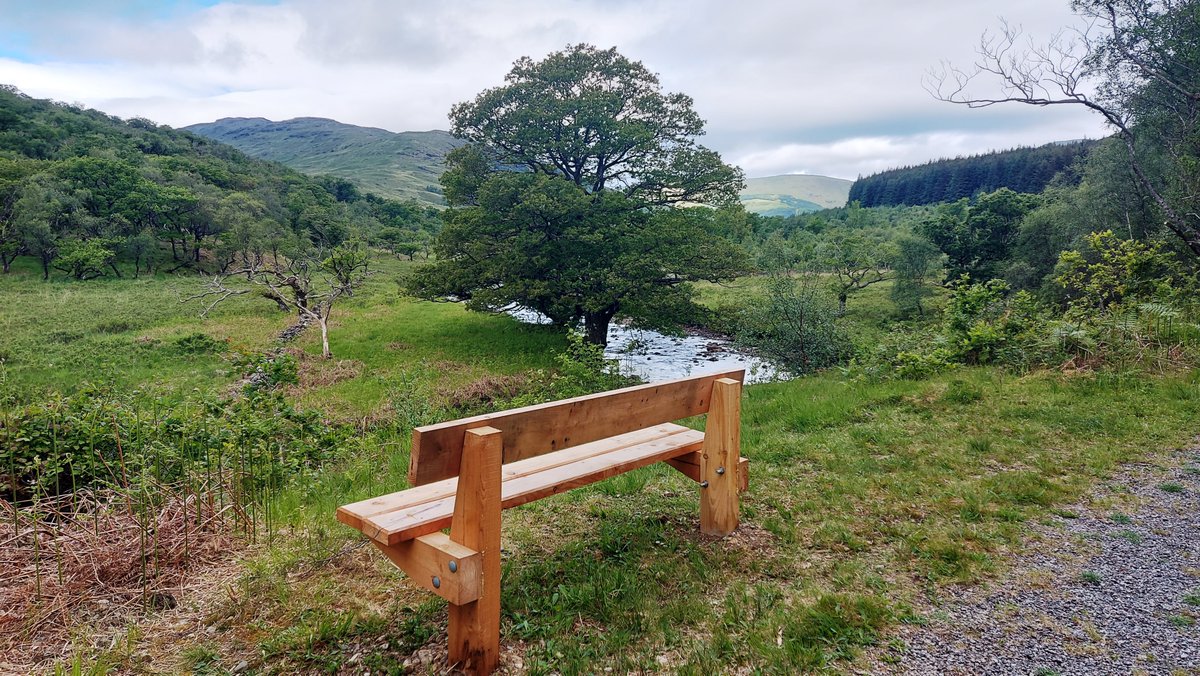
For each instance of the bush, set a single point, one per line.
(200, 343)
(1109, 271)
(102, 438)
(796, 326)
(986, 325)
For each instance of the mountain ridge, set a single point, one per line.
(791, 194)
(408, 164)
(402, 165)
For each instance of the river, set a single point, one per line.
(653, 356)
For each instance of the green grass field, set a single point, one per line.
(866, 498)
(61, 334)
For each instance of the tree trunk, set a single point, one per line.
(324, 336)
(595, 326)
(45, 269)
(842, 304)
(283, 306)
(115, 269)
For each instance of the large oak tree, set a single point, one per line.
(580, 196)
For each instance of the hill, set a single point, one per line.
(792, 194)
(398, 165)
(1026, 170)
(93, 195)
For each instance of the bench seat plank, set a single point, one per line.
(409, 514)
(353, 514)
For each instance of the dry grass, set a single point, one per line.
(483, 392)
(314, 372)
(93, 560)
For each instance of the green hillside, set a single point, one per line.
(91, 195)
(792, 194)
(397, 165)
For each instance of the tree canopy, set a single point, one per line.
(580, 196)
(1137, 64)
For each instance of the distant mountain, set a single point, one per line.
(792, 194)
(408, 164)
(398, 165)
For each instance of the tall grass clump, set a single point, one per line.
(112, 497)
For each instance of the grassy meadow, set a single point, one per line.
(866, 499)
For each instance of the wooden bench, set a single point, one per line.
(464, 472)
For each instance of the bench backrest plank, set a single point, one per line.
(543, 428)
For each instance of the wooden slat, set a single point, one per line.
(403, 524)
(689, 465)
(545, 428)
(429, 556)
(474, 635)
(719, 460)
(353, 514)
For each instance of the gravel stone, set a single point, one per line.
(1094, 594)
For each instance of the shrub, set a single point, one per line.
(1109, 270)
(200, 343)
(796, 326)
(100, 438)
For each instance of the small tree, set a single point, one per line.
(855, 261)
(84, 259)
(308, 282)
(1110, 270)
(917, 263)
(795, 326)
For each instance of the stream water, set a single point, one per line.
(653, 356)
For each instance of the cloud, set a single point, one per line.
(832, 88)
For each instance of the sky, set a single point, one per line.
(786, 86)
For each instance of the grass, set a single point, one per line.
(134, 334)
(865, 497)
(1182, 621)
(862, 501)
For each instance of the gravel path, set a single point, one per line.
(1115, 590)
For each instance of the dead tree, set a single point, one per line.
(1136, 63)
(309, 284)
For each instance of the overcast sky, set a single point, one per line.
(831, 87)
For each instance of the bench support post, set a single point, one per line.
(474, 634)
(719, 460)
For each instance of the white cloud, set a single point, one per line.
(831, 88)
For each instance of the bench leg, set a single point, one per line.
(719, 460)
(474, 644)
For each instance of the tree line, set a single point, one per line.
(1024, 170)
